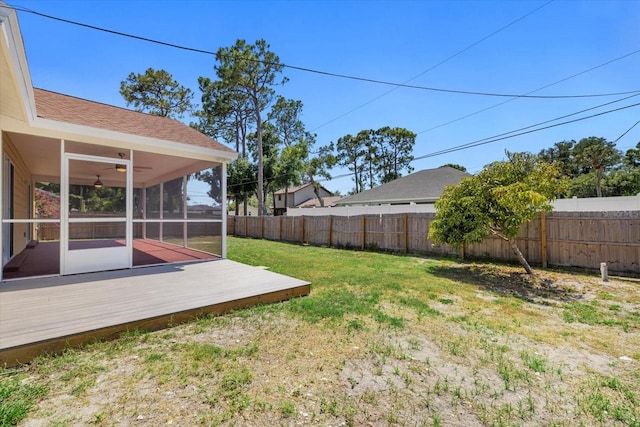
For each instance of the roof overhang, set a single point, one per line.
(423, 200)
(17, 100)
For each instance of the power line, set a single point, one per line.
(500, 137)
(478, 143)
(548, 121)
(434, 66)
(533, 91)
(331, 74)
(627, 131)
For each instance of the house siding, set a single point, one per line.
(22, 178)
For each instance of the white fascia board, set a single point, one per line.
(15, 46)
(91, 135)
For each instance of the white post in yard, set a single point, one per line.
(604, 272)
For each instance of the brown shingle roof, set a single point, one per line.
(65, 108)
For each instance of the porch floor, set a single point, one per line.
(48, 314)
(44, 258)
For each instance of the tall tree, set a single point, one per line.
(251, 71)
(632, 157)
(226, 115)
(562, 154)
(285, 117)
(241, 180)
(351, 156)
(597, 153)
(395, 152)
(502, 197)
(319, 166)
(157, 93)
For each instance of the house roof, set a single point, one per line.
(298, 188)
(425, 186)
(69, 109)
(314, 203)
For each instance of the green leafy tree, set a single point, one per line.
(157, 93)
(241, 180)
(597, 153)
(351, 156)
(376, 156)
(502, 197)
(250, 72)
(632, 157)
(562, 154)
(285, 120)
(395, 148)
(455, 166)
(226, 116)
(319, 166)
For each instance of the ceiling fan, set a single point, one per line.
(120, 167)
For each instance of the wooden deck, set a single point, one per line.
(50, 314)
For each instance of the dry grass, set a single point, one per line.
(382, 340)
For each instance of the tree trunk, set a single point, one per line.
(261, 207)
(316, 190)
(521, 258)
(598, 179)
(273, 194)
(286, 198)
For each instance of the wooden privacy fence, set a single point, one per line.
(570, 239)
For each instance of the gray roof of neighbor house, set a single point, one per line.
(424, 186)
(315, 203)
(298, 188)
(66, 108)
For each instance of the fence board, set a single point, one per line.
(573, 239)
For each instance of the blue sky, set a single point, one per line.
(392, 41)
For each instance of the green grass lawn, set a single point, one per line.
(381, 340)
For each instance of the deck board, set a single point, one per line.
(56, 310)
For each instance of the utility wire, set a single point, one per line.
(548, 121)
(476, 144)
(626, 132)
(533, 91)
(434, 66)
(330, 74)
(500, 137)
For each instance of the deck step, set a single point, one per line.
(16, 262)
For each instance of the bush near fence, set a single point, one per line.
(564, 239)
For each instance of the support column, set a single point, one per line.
(224, 208)
(543, 239)
(185, 233)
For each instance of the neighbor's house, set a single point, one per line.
(423, 187)
(415, 193)
(296, 196)
(140, 168)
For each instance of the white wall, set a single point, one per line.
(593, 204)
(598, 204)
(360, 210)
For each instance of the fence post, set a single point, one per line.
(280, 230)
(302, 239)
(462, 251)
(330, 229)
(406, 234)
(543, 238)
(246, 226)
(262, 227)
(364, 231)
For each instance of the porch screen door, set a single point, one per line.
(97, 215)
